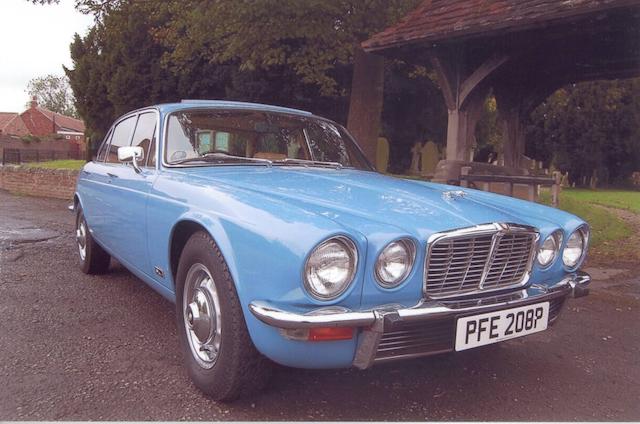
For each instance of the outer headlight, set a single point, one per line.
(576, 246)
(330, 268)
(395, 262)
(549, 248)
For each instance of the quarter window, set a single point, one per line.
(102, 152)
(121, 137)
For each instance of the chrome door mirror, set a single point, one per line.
(131, 154)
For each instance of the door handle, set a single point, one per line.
(112, 175)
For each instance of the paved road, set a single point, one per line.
(76, 347)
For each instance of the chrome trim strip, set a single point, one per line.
(323, 317)
(573, 284)
(496, 228)
(373, 321)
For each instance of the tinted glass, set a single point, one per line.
(121, 137)
(144, 134)
(217, 137)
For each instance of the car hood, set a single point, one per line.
(416, 207)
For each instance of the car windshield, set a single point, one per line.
(213, 137)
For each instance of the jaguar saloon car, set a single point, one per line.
(278, 242)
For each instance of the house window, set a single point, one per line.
(67, 137)
(77, 137)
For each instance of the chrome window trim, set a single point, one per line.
(113, 130)
(496, 229)
(104, 145)
(155, 133)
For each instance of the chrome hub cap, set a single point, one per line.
(81, 239)
(201, 315)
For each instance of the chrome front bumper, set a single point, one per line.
(375, 321)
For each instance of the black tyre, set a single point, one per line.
(93, 258)
(220, 356)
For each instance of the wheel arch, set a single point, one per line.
(183, 229)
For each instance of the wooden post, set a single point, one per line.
(464, 93)
(365, 106)
(555, 190)
(531, 192)
(464, 171)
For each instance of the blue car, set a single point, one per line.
(278, 242)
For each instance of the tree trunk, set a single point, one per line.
(365, 107)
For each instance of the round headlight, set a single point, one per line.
(575, 248)
(395, 262)
(549, 248)
(330, 268)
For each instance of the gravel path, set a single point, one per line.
(76, 347)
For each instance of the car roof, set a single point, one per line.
(224, 104)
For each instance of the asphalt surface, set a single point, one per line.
(78, 347)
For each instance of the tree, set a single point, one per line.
(53, 92)
(589, 129)
(289, 53)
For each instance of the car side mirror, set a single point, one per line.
(131, 154)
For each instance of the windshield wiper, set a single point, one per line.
(219, 158)
(305, 162)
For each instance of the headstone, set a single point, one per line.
(415, 158)
(564, 182)
(382, 155)
(430, 156)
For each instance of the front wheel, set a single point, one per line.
(221, 358)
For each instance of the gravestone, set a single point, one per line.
(564, 182)
(382, 155)
(415, 158)
(430, 156)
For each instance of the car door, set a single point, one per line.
(126, 190)
(90, 186)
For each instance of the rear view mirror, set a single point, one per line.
(131, 154)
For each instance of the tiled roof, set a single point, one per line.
(65, 122)
(437, 20)
(5, 117)
(11, 123)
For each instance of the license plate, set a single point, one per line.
(493, 327)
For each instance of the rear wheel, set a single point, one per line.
(93, 258)
(220, 356)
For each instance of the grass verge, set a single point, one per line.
(58, 164)
(611, 237)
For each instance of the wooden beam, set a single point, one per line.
(446, 80)
(479, 75)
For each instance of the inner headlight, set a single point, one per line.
(575, 248)
(549, 248)
(395, 262)
(330, 268)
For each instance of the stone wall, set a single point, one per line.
(57, 183)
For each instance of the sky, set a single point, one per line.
(34, 42)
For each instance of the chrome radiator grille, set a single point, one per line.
(482, 258)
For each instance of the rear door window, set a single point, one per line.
(121, 137)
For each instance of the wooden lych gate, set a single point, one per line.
(519, 50)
